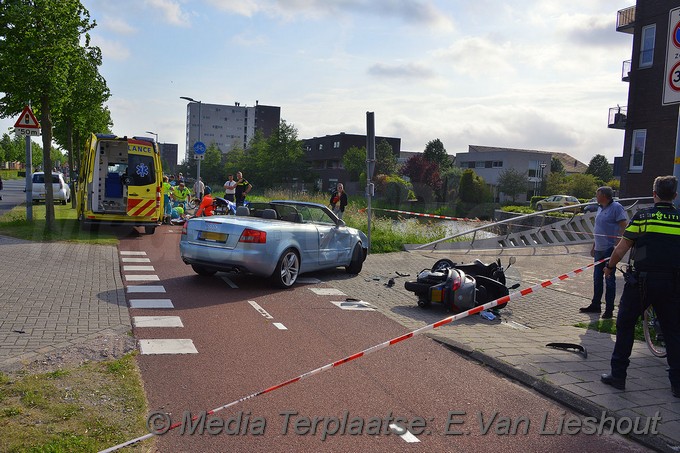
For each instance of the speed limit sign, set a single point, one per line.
(671, 86)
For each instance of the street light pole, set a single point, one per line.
(154, 134)
(198, 169)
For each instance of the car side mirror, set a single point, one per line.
(340, 223)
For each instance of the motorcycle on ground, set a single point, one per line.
(460, 287)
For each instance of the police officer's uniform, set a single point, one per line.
(653, 278)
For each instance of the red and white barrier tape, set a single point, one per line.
(433, 216)
(393, 341)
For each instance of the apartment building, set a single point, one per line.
(326, 153)
(228, 126)
(650, 117)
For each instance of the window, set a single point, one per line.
(488, 164)
(336, 145)
(320, 146)
(637, 152)
(647, 46)
(479, 164)
(497, 164)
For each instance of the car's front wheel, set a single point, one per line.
(357, 262)
(287, 269)
(539, 207)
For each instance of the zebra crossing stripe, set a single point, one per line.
(151, 303)
(167, 346)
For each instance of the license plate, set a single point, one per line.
(212, 236)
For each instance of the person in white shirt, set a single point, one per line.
(199, 189)
(230, 189)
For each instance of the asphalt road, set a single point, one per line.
(12, 194)
(241, 352)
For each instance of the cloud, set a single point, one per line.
(117, 25)
(111, 49)
(404, 71)
(171, 11)
(416, 12)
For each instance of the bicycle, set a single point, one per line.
(653, 334)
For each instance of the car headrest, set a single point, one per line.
(269, 214)
(242, 211)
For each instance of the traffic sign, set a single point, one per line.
(199, 148)
(199, 156)
(671, 85)
(27, 131)
(27, 120)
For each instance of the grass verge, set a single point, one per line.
(66, 227)
(609, 326)
(85, 408)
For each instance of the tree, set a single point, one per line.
(600, 168)
(83, 110)
(435, 152)
(39, 41)
(354, 162)
(14, 149)
(473, 189)
(582, 185)
(512, 182)
(385, 160)
(556, 166)
(421, 170)
(557, 183)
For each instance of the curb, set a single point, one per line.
(657, 442)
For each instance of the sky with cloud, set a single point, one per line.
(534, 74)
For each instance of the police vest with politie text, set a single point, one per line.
(656, 234)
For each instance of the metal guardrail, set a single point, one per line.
(578, 229)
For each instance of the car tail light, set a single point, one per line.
(184, 228)
(253, 236)
(457, 282)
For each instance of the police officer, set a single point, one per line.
(653, 276)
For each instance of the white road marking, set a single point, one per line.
(308, 280)
(142, 278)
(145, 289)
(354, 305)
(280, 326)
(327, 292)
(228, 281)
(135, 260)
(132, 252)
(515, 325)
(157, 321)
(403, 433)
(260, 310)
(167, 346)
(151, 303)
(138, 268)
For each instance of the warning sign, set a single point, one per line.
(27, 124)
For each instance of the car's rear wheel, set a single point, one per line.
(357, 262)
(149, 229)
(287, 269)
(200, 270)
(539, 207)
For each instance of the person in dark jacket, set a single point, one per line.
(652, 277)
(338, 200)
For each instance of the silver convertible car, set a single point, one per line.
(278, 240)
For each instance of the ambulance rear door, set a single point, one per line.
(142, 191)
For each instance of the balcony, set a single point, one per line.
(617, 117)
(625, 71)
(625, 20)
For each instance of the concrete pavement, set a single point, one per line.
(60, 296)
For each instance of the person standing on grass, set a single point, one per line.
(243, 187)
(338, 200)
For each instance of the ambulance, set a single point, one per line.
(119, 183)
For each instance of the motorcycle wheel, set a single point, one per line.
(442, 264)
(423, 303)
